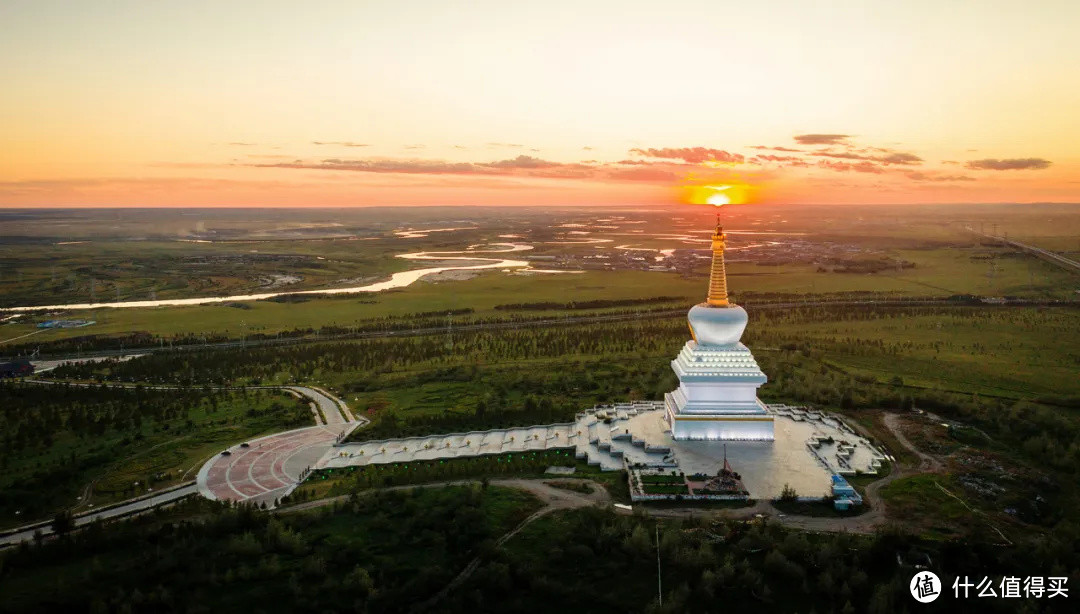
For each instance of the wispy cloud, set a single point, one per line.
(644, 174)
(892, 157)
(522, 161)
(787, 149)
(921, 176)
(1008, 164)
(901, 158)
(341, 143)
(859, 167)
(693, 155)
(821, 139)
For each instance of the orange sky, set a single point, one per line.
(341, 103)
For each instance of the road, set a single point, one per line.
(441, 330)
(1045, 254)
(261, 473)
(268, 468)
(127, 508)
(271, 466)
(334, 410)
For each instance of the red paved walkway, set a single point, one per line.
(266, 469)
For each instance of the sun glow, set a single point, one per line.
(716, 195)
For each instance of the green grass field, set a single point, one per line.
(939, 273)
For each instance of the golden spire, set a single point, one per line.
(718, 296)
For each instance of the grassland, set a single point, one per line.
(941, 274)
(43, 262)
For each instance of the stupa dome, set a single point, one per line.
(719, 326)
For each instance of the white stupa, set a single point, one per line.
(718, 376)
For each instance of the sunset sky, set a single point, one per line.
(342, 103)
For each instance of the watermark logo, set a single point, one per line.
(925, 586)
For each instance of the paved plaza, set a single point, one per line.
(269, 467)
(809, 447)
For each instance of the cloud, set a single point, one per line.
(920, 176)
(418, 146)
(341, 143)
(892, 157)
(900, 157)
(587, 148)
(505, 145)
(1008, 164)
(842, 155)
(643, 174)
(434, 167)
(787, 149)
(859, 167)
(522, 161)
(773, 158)
(821, 139)
(243, 144)
(693, 155)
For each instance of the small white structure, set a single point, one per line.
(718, 376)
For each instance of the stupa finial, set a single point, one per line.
(718, 296)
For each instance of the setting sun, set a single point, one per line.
(717, 194)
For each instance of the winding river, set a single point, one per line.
(397, 280)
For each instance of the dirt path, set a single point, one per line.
(927, 463)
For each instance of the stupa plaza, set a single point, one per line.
(675, 446)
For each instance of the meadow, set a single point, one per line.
(917, 252)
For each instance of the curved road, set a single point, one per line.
(262, 472)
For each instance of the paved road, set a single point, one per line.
(269, 467)
(264, 471)
(124, 509)
(331, 408)
(1045, 254)
(335, 410)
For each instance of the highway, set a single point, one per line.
(1049, 256)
